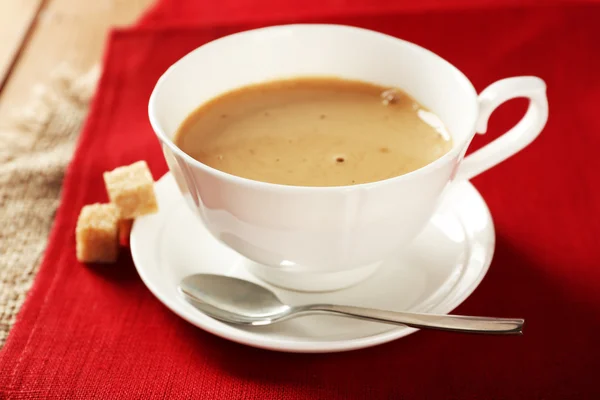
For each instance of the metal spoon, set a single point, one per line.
(238, 301)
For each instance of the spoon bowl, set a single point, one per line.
(233, 300)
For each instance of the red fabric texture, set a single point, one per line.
(208, 13)
(97, 332)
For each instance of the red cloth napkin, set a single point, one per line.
(97, 332)
(208, 13)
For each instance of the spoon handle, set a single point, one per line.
(455, 323)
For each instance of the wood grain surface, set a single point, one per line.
(37, 36)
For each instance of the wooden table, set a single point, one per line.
(36, 36)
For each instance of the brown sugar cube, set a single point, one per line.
(97, 233)
(131, 189)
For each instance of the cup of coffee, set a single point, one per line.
(318, 151)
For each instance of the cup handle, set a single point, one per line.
(517, 138)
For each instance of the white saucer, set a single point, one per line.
(439, 271)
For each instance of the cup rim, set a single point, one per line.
(166, 140)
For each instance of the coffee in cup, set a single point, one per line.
(314, 131)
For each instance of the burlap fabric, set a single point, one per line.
(34, 153)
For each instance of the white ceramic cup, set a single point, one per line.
(324, 238)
